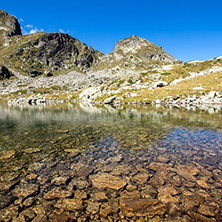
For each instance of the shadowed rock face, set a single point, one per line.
(9, 25)
(5, 73)
(55, 51)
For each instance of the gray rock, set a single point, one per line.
(110, 100)
(159, 84)
(212, 94)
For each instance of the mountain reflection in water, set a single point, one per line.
(98, 163)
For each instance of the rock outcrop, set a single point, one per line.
(5, 73)
(9, 25)
(144, 49)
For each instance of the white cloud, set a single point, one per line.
(66, 31)
(69, 32)
(32, 31)
(29, 26)
(61, 30)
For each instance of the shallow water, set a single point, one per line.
(82, 163)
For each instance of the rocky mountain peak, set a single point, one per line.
(132, 43)
(9, 25)
(134, 53)
(143, 49)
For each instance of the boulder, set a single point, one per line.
(110, 100)
(5, 73)
(212, 94)
(142, 207)
(70, 204)
(105, 180)
(159, 84)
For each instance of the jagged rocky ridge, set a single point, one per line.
(44, 53)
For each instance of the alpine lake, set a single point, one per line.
(102, 163)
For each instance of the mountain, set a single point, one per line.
(59, 53)
(44, 53)
(41, 53)
(136, 53)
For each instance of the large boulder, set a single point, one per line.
(159, 84)
(5, 73)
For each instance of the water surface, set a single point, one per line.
(87, 163)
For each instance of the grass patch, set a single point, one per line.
(120, 82)
(130, 80)
(165, 74)
(56, 88)
(113, 82)
(20, 92)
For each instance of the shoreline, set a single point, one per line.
(210, 106)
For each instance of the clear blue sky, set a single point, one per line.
(188, 30)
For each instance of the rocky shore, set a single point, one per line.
(204, 102)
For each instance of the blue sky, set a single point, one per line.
(188, 30)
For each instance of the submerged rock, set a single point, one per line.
(70, 204)
(106, 180)
(142, 207)
(8, 155)
(26, 190)
(57, 193)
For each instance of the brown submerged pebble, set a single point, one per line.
(105, 180)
